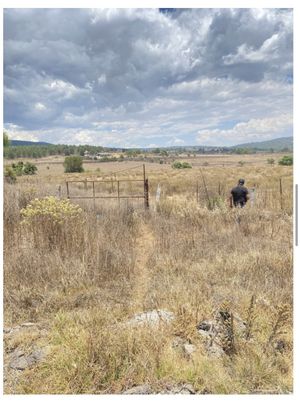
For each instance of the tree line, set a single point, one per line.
(37, 151)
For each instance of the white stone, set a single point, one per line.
(152, 318)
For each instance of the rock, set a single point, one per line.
(152, 318)
(20, 361)
(214, 350)
(207, 328)
(204, 326)
(36, 356)
(23, 326)
(214, 330)
(189, 349)
(280, 345)
(28, 324)
(179, 389)
(142, 389)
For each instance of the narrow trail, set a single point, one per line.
(144, 247)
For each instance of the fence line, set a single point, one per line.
(144, 196)
(258, 195)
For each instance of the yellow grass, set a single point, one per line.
(183, 257)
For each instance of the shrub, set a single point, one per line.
(73, 164)
(24, 169)
(46, 219)
(180, 165)
(50, 208)
(186, 165)
(10, 175)
(271, 161)
(18, 168)
(29, 168)
(286, 161)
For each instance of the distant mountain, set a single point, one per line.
(16, 142)
(278, 144)
(275, 144)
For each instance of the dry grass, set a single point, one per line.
(183, 258)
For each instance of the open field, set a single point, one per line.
(222, 276)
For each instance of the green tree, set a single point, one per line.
(73, 164)
(286, 161)
(5, 140)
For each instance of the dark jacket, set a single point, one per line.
(239, 195)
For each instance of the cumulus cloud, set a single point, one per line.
(249, 131)
(124, 77)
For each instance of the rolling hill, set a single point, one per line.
(275, 144)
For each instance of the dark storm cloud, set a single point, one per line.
(108, 73)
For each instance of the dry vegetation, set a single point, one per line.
(104, 267)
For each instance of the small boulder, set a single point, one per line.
(152, 318)
(20, 361)
(141, 389)
(179, 389)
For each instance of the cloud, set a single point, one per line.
(140, 76)
(250, 131)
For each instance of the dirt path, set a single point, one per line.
(144, 247)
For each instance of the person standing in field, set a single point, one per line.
(239, 194)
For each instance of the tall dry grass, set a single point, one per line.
(86, 285)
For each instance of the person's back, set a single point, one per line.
(239, 194)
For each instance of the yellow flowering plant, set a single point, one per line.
(50, 208)
(52, 221)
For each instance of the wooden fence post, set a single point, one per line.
(68, 194)
(94, 200)
(146, 189)
(146, 194)
(112, 185)
(280, 190)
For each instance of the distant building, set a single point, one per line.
(102, 155)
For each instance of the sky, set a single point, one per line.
(148, 77)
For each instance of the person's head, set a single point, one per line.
(241, 181)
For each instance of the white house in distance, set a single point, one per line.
(98, 156)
